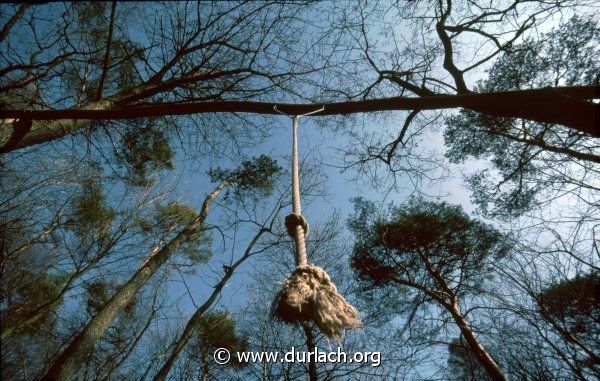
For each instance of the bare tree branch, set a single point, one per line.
(561, 105)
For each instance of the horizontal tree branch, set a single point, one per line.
(569, 106)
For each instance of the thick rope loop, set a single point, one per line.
(292, 220)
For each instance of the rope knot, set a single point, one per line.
(310, 295)
(292, 220)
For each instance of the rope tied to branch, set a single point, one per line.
(309, 294)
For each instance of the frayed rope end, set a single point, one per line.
(308, 294)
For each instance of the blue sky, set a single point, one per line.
(319, 146)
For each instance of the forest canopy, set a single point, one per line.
(450, 172)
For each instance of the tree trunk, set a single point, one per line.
(488, 363)
(205, 370)
(189, 330)
(131, 348)
(68, 362)
(195, 319)
(311, 346)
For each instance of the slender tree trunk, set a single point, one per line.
(131, 347)
(68, 362)
(484, 358)
(205, 370)
(311, 346)
(195, 319)
(488, 363)
(189, 330)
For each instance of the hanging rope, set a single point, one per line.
(301, 257)
(308, 294)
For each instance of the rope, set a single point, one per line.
(298, 232)
(309, 294)
(301, 256)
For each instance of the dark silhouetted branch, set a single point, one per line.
(569, 106)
